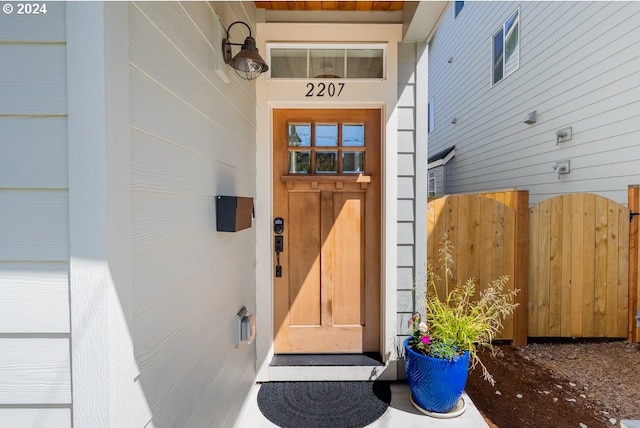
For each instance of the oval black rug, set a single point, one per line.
(323, 404)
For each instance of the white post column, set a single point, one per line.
(100, 274)
(421, 162)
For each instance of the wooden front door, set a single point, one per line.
(326, 181)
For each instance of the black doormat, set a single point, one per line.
(323, 404)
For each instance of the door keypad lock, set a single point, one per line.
(278, 225)
(278, 229)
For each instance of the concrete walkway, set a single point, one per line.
(399, 414)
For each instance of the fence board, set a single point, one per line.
(534, 251)
(463, 262)
(544, 236)
(485, 244)
(555, 267)
(600, 278)
(577, 246)
(611, 308)
(577, 242)
(474, 238)
(567, 250)
(588, 266)
(521, 266)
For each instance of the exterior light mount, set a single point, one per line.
(531, 118)
(247, 63)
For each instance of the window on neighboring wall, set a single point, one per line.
(506, 48)
(457, 7)
(431, 184)
(432, 115)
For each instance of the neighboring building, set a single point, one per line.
(575, 64)
(119, 126)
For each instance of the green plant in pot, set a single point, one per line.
(444, 343)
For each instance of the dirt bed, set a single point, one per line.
(560, 384)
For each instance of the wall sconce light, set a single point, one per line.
(450, 60)
(561, 167)
(248, 63)
(531, 118)
(563, 135)
(454, 120)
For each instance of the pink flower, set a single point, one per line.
(426, 340)
(423, 327)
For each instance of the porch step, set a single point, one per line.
(366, 359)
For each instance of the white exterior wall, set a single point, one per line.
(193, 137)
(35, 374)
(582, 73)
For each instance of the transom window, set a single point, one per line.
(326, 148)
(324, 61)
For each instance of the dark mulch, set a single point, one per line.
(530, 394)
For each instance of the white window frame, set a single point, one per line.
(337, 46)
(431, 184)
(432, 115)
(506, 71)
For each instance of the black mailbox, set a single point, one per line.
(233, 213)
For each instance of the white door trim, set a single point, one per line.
(275, 94)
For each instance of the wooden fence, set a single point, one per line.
(574, 258)
(488, 232)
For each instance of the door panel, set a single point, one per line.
(348, 211)
(328, 297)
(304, 282)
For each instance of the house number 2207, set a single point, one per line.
(324, 90)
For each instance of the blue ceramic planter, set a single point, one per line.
(436, 384)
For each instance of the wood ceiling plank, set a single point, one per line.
(311, 5)
(342, 5)
(329, 5)
(381, 5)
(348, 5)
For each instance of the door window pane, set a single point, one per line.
(299, 162)
(327, 135)
(353, 162)
(353, 135)
(299, 135)
(326, 162)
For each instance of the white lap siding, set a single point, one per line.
(35, 380)
(192, 138)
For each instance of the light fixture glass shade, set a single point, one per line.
(248, 63)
